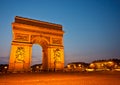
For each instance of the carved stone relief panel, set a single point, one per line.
(21, 37)
(48, 38)
(20, 55)
(56, 41)
(57, 55)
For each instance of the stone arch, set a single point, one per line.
(27, 32)
(44, 44)
(41, 41)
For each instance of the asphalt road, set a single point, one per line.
(82, 78)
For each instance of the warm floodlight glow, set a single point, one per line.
(111, 63)
(37, 66)
(5, 67)
(79, 65)
(49, 36)
(92, 65)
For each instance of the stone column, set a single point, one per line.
(45, 59)
(20, 57)
(55, 58)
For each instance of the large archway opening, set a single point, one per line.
(36, 58)
(42, 49)
(36, 54)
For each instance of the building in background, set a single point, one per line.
(76, 67)
(111, 64)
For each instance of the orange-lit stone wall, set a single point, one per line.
(27, 32)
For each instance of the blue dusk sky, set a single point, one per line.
(92, 27)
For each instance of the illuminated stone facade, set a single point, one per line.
(27, 32)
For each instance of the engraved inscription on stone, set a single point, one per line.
(21, 37)
(56, 41)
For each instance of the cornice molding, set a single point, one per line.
(37, 23)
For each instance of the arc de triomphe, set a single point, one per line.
(27, 32)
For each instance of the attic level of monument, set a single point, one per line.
(37, 23)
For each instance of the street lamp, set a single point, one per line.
(5, 67)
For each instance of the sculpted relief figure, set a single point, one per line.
(57, 55)
(20, 55)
